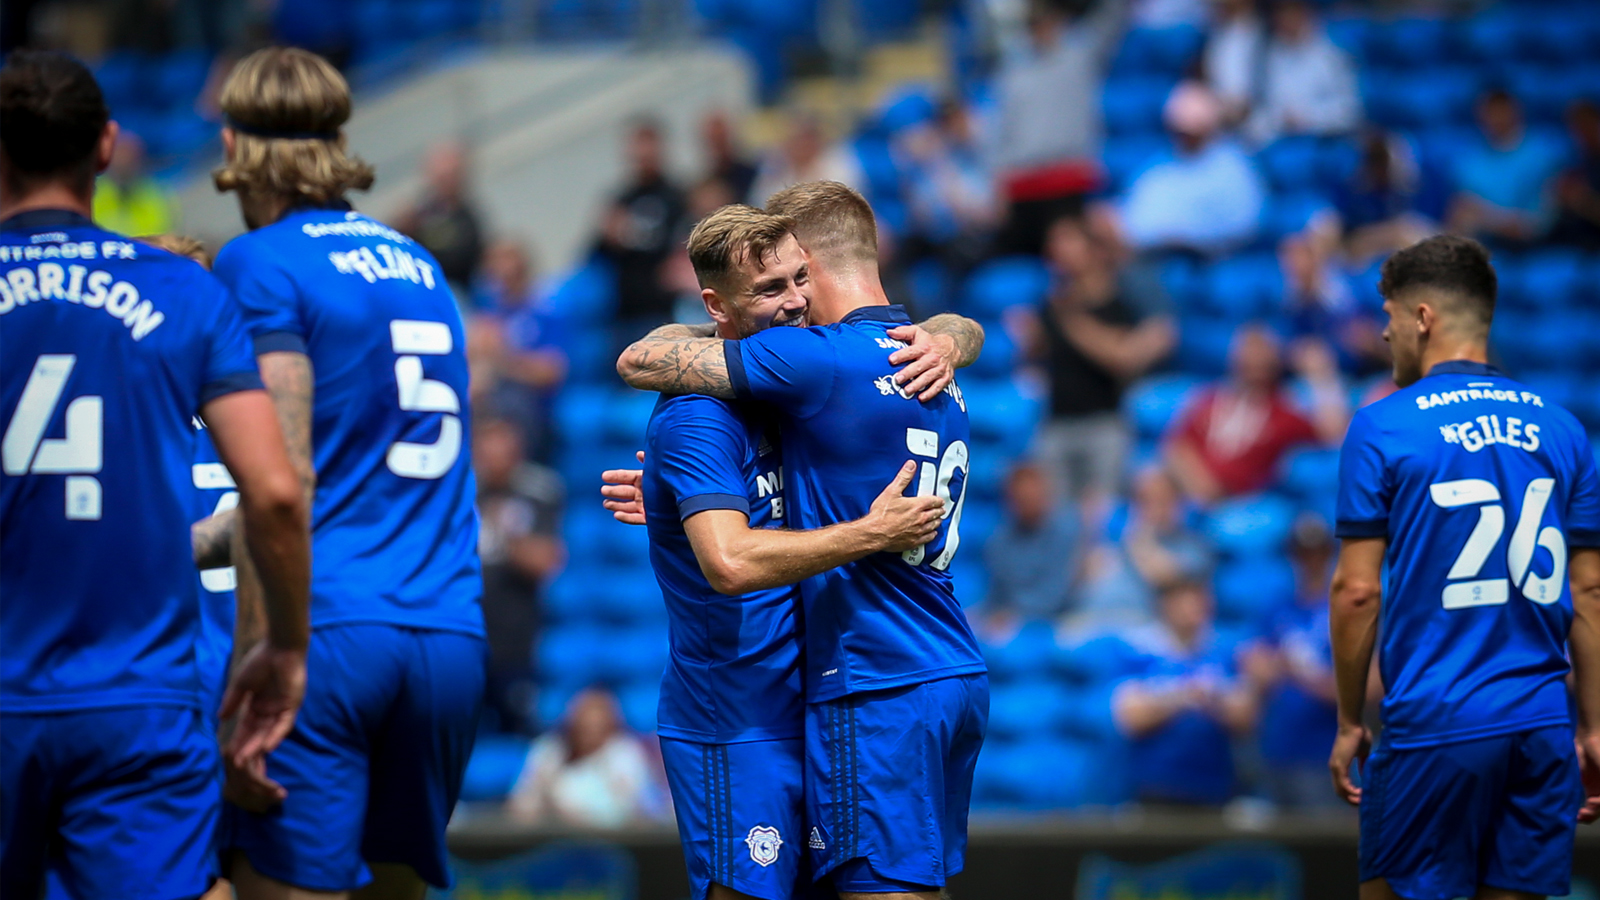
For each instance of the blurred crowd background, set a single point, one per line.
(1168, 215)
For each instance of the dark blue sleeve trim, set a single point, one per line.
(688, 506)
(279, 342)
(1583, 537)
(230, 384)
(1368, 528)
(736, 374)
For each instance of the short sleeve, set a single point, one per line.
(229, 364)
(1364, 484)
(699, 447)
(267, 297)
(1583, 507)
(791, 368)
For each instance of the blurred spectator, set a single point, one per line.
(1154, 547)
(519, 512)
(677, 273)
(1378, 203)
(1033, 557)
(638, 232)
(1100, 329)
(1299, 718)
(1323, 309)
(954, 210)
(514, 346)
(444, 220)
(1208, 199)
(806, 154)
(1578, 191)
(1049, 134)
(1230, 440)
(724, 160)
(126, 199)
(1308, 85)
(1503, 185)
(1181, 711)
(588, 773)
(1232, 57)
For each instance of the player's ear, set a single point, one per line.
(1426, 318)
(107, 146)
(229, 136)
(716, 306)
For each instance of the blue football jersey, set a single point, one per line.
(215, 493)
(1480, 486)
(108, 350)
(394, 530)
(734, 671)
(885, 620)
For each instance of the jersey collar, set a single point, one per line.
(1465, 367)
(36, 219)
(892, 313)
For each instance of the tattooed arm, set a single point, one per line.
(678, 359)
(211, 539)
(966, 334)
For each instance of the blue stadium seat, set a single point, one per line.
(1165, 51)
(1337, 159)
(1349, 34)
(1311, 474)
(979, 519)
(1564, 389)
(1152, 404)
(126, 80)
(1001, 284)
(1183, 279)
(579, 414)
(1203, 343)
(907, 107)
(878, 165)
(494, 767)
(627, 413)
(1494, 37)
(1029, 708)
(178, 78)
(1558, 36)
(968, 578)
(1244, 287)
(931, 286)
(1544, 341)
(1250, 590)
(1409, 100)
(1553, 279)
(1126, 158)
(1291, 163)
(1291, 213)
(566, 599)
(574, 654)
(631, 654)
(1028, 654)
(422, 19)
(629, 595)
(1038, 774)
(999, 356)
(1544, 88)
(1409, 43)
(587, 294)
(638, 700)
(1132, 106)
(1001, 415)
(1250, 526)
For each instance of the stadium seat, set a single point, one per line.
(1564, 389)
(1126, 158)
(1250, 590)
(1544, 341)
(631, 654)
(1165, 51)
(1311, 474)
(1046, 773)
(1152, 403)
(1250, 526)
(1004, 283)
(1558, 36)
(878, 165)
(1028, 654)
(1243, 288)
(178, 78)
(1291, 213)
(494, 767)
(579, 414)
(907, 107)
(1183, 279)
(1408, 43)
(627, 413)
(1409, 100)
(587, 294)
(1001, 415)
(1544, 88)
(1552, 279)
(979, 519)
(638, 700)
(1494, 37)
(1203, 343)
(1024, 709)
(1291, 163)
(968, 578)
(1132, 105)
(1349, 33)
(629, 595)
(574, 654)
(566, 598)
(998, 359)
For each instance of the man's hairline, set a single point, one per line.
(1437, 298)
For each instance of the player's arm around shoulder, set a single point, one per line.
(678, 359)
(934, 350)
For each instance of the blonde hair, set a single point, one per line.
(286, 107)
(722, 242)
(180, 244)
(832, 221)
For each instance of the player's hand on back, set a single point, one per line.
(264, 694)
(929, 361)
(248, 787)
(624, 493)
(1351, 746)
(897, 523)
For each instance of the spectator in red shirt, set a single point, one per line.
(1230, 440)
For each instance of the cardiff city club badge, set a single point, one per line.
(763, 842)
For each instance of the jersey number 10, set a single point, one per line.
(1466, 589)
(935, 479)
(77, 455)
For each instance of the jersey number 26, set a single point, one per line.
(1466, 589)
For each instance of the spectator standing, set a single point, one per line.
(519, 511)
(1049, 133)
(1149, 546)
(588, 773)
(1101, 328)
(1230, 440)
(444, 219)
(1299, 719)
(1183, 707)
(126, 199)
(1503, 186)
(805, 155)
(638, 233)
(1208, 198)
(1308, 85)
(1377, 204)
(725, 162)
(1578, 190)
(514, 346)
(1232, 56)
(1032, 558)
(954, 210)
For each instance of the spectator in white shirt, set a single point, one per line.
(1308, 85)
(806, 155)
(589, 773)
(1232, 55)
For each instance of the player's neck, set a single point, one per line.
(840, 295)
(261, 210)
(1439, 351)
(54, 195)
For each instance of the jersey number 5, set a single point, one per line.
(77, 455)
(1466, 589)
(413, 340)
(935, 479)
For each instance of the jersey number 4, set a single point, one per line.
(78, 455)
(413, 339)
(1466, 589)
(935, 479)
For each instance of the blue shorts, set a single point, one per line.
(374, 765)
(889, 783)
(1436, 822)
(741, 810)
(108, 803)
